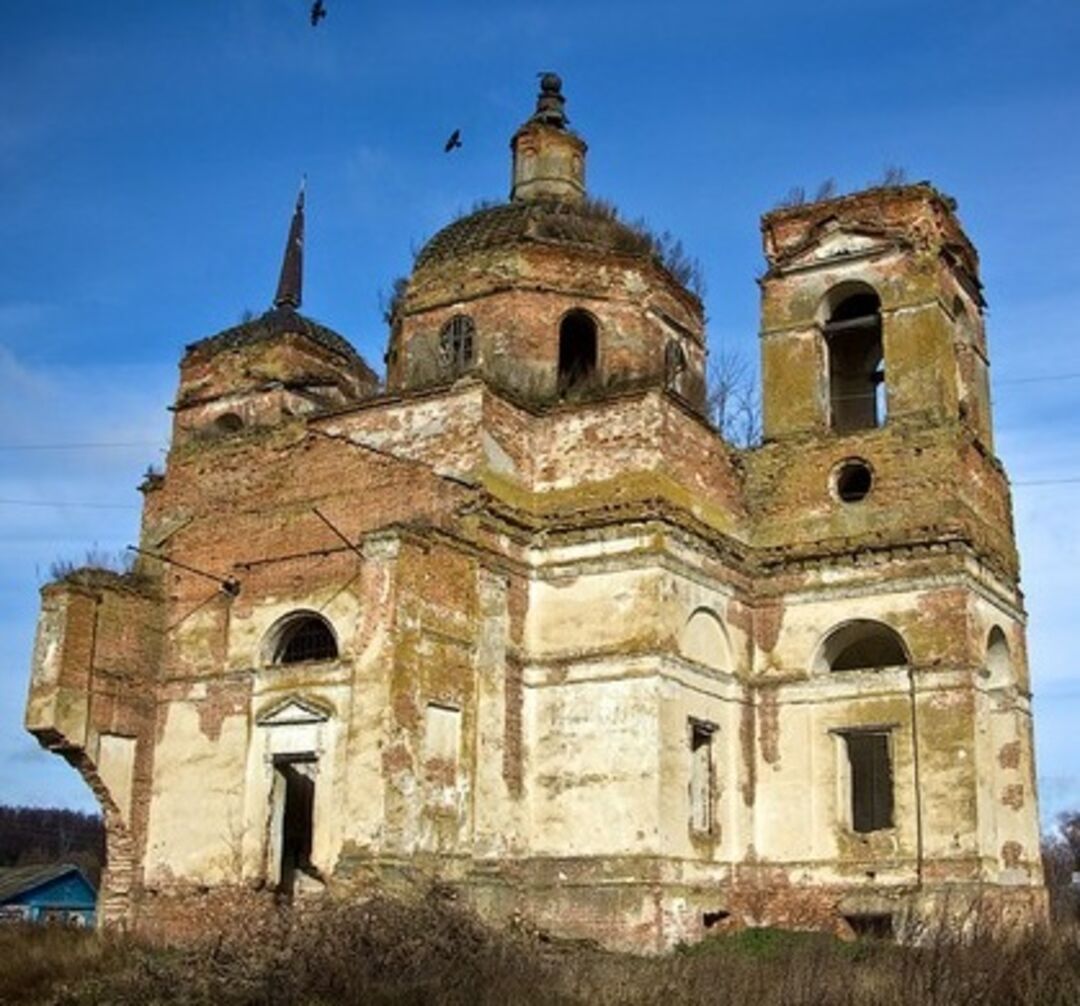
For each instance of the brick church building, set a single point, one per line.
(520, 620)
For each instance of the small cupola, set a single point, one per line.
(548, 159)
(270, 366)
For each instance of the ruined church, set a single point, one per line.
(518, 620)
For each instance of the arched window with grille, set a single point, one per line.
(456, 343)
(303, 637)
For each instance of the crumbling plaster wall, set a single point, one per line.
(612, 698)
(237, 507)
(263, 382)
(90, 700)
(586, 455)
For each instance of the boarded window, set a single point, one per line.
(701, 772)
(871, 780)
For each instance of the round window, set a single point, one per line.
(228, 422)
(852, 481)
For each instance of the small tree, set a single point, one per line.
(893, 176)
(1061, 861)
(733, 400)
(1069, 826)
(826, 190)
(796, 196)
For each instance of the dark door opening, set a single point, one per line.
(577, 350)
(293, 819)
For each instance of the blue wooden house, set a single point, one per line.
(58, 892)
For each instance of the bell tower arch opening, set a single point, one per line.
(577, 350)
(856, 358)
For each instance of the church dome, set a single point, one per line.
(279, 321)
(587, 224)
(549, 296)
(269, 367)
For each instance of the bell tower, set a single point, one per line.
(876, 499)
(872, 317)
(876, 403)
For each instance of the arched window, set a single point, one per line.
(862, 645)
(857, 398)
(456, 343)
(999, 669)
(704, 641)
(577, 350)
(301, 638)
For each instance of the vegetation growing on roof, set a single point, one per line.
(390, 303)
(893, 176)
(98, 567)
(592, 221)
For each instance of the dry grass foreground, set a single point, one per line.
(386, 951)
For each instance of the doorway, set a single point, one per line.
(292, 820)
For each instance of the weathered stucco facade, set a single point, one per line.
(523, 622)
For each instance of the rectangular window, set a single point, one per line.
(871, 780)
(701, 776)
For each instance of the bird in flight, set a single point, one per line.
(454, 141)
(318, 12)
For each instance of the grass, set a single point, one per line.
(36, 960)
(386, 951)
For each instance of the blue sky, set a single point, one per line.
(150, 154)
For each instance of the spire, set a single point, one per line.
(290, 283)
(550, 103)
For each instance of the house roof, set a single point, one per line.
(17, 880)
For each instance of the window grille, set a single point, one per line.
(456, 343)
(306, 639)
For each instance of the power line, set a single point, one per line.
(131, 444)
(1048, 482)
(80, 446)
(88, 505)
(1037, 380)
(70, 503)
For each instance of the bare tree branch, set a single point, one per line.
(733, 400)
